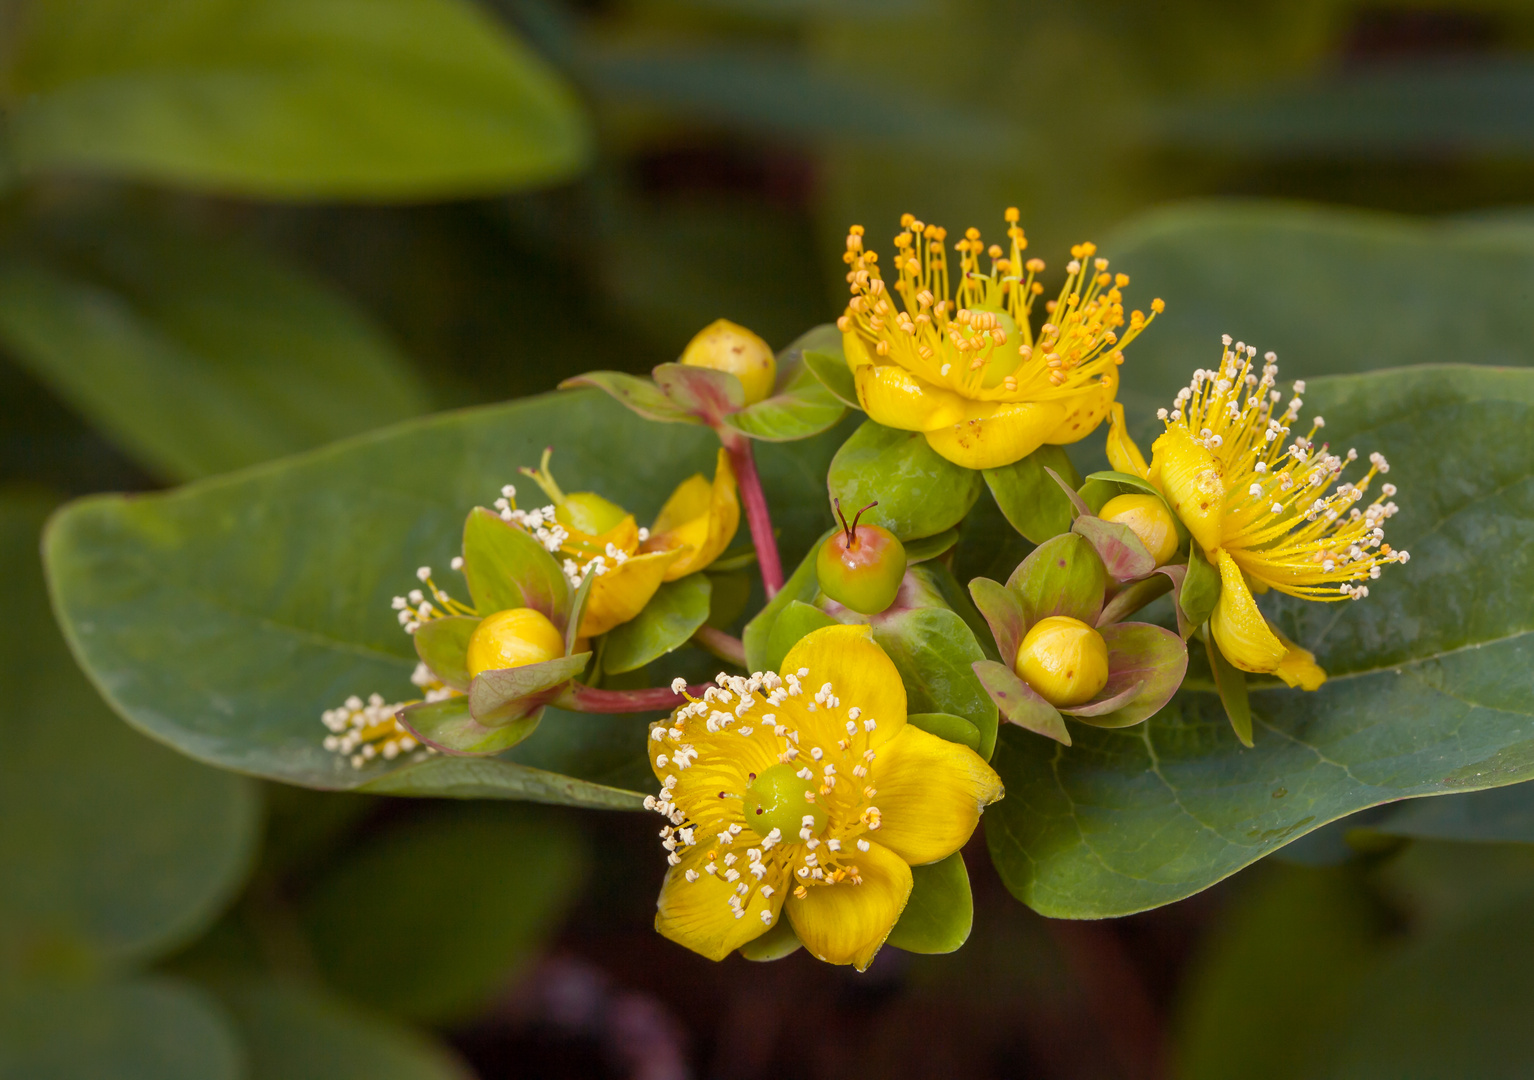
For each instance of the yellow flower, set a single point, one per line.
(596, 536)
(968, 372)
(1258, 507)
(806, 794)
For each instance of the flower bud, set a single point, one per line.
(726, 346)
(513, 638)
(1149, 519)
(1064, 660)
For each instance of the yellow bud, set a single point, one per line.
(726, 346)
(1149, 519)
(513, 638)
(1064, 660)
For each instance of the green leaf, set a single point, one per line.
(506, 567)
(450, 726)
(1123, 554)
(1063, 576)
(934, 650)
(390, 99)
(147, 1029)
(802, 586)
(1030, 498)
(799, 406)
(1230, 684)
(834, 374)
(1496, 815)
(793, 622)
(938, 916)
(779, 941)
(114, 848)
(196, 357)
(708, 394)
(1019, 704)
(431, 918)
(1146, 665)
(671, 617)
(225, 617)
(1003, 613)
(506, 694)
(947, 726)
(294, 1032)
(930, 547)
(1430, 689)
(1278, 965)
(919, 492)
(484, 778)
(443, 645)
(638, 394)
(1200, 590)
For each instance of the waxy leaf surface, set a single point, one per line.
(1430, 692)
(919, 492)
(672, 616)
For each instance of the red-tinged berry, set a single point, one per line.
(861, 566)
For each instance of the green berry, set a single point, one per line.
(861, 566)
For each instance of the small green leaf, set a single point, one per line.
(640, 395)
(1123, 553)
(793, 622)
(1003, 613)
(708, 394)
(1124, 480)
(919, 492)
(1200, 590)
(947, 726)
(671, 617)
(1063, 576)
(938, 916)
(501, 696)
(930, 547)
(1029, 498)
(431, 918)
(802, 585)
(779, 941)
(834, 374)
(934, 650)
(1019, 704)
(1146, 665)
(801, 407)
(1230, 683)
(507, 567)
(449, 727)
(443, 645)
(495, 778)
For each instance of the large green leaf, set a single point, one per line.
(1331, 291)
(226, 616)
(293, 1032)
(195, 357)
(672, 616)
(919, 492)
(113, 847)
(370, 99)
(428, 919)
(1431, 688)
(147, 1029)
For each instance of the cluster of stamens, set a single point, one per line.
(420, 605)
(363, 731)
(540, 522)
(965, 343)
(1280, 525)
(715, 747)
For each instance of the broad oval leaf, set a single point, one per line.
(919, 492)
(226, 616)
(934, 650)
(947, 726)
(1062, 576)
(672, 616)
(800, 406)
(1430, 689)
(443, 645)
(360, 99)
(938, 916)
(795, 621)
(1030, 498)
(834, 374)
(506, 567)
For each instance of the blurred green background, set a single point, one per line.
(235, 229)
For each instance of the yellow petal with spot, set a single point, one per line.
(846, 923)
(860, 675)
(930, 795)
(700, 517)
(1084, 411)
(1123, 454)
(697, 915)
(997, 433)
(1189, 476)
(892, 396)
(621, 593)
(1239, 629)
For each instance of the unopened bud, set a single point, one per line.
(1064, 660)
(727, 346)
(1149, 519)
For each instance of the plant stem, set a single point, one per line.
(726, 647)
(757, 517)
(655, 699)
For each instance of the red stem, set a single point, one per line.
(757, 516)
(727, 647)
(655, 699)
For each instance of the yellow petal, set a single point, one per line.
(846, 923)
(624, 536)
(1189, 476)
(860, 675)
(997, 433)
(1239, 629)
(621, 593)
(856, 350)
(1123, 454)
(1085, 410)
(892, 396)
(700, 517)
(1298, 668)
(697, 915)
(930, 794)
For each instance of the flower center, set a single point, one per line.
(776, 800)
